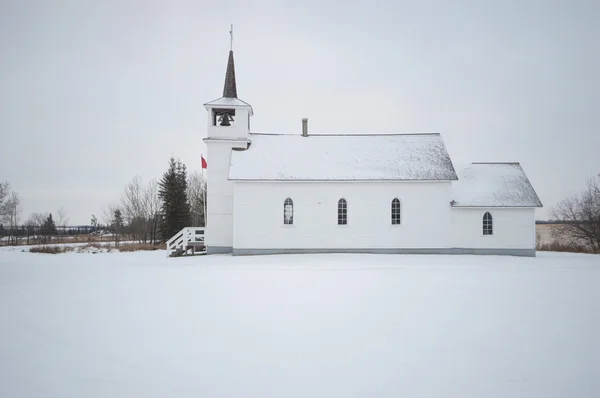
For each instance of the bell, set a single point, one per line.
(224, 120)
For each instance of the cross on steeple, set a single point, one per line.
(230, 89)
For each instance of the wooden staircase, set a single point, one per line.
(187, 242)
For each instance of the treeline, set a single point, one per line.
(145, 212)
(33, 230)
(34, 234)
(39, 228)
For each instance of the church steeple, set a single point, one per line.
(230, 89)
(229, 116)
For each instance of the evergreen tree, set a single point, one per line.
(175, 206)
(49, 228)
(117, 219)
(117, 224)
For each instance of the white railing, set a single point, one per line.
(186, 240)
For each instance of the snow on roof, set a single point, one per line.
(225, 101)
(343, 158)
(494, 185)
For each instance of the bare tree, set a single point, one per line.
(108, 214)
(94, 221)
(4, 188)
(580, 216)
(4, 194)
(196, 190)
(132, 204)
(33, 225)
(153, 204)
(62, 221)
(94, 224)
(37, 220)
(141, 206)
(117, 224)
(30, 229)
(12, 210)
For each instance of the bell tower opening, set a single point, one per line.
(223, 117)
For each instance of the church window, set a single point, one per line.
(342, 212)
(487, 224)
(288, 211)
(395, 211)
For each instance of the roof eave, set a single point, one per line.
(497, 206)
(335, 180)
(226, 139)
(213, 103)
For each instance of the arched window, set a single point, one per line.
(487, 224)
(288, 211)
(395, 211)
(342, 212)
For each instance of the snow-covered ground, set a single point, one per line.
(141, 325)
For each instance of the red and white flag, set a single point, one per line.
(204, 164)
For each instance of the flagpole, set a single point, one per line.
(205, 189)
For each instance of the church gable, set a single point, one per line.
(343, 158)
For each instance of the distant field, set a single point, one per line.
(544, 233)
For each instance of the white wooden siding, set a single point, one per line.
(258, 221)
(219, 205)
(512, 228)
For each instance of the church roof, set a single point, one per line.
(342, 158)
(494, 185)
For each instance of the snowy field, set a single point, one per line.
(141, 325)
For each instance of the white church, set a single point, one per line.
(368, 193)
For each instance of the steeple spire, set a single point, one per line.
(230, 89)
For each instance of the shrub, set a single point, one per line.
(50, 249)
(133, 247)
(557, 246)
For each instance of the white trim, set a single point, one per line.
(391, 251)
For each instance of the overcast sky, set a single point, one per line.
(94, 93)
